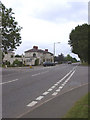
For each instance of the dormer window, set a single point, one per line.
(34, 55)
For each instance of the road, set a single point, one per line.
(42, 91)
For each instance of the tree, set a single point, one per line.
(18, 56)
(10, 30)
(61, 58)
(68, 58)
(79, 41)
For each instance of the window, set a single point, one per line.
(29, 60)
(34, 55)
(11, 56)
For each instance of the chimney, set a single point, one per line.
(35, 47)
(46, 50)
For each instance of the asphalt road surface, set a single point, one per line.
(42, 92)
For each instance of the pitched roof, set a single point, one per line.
(38, 50)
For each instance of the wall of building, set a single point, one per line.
(29, 58)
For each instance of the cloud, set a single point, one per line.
(47, 21)
(57, 12)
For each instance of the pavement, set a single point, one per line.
(44, 92)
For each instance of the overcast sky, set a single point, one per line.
(47, 21)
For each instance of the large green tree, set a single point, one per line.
(10, 30)
(79, 41)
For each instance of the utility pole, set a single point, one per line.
(54, 49)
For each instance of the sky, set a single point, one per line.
(46, 22)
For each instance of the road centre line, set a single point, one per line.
(65, 76)
(70, 76)
(45, 93)
(39, 73)
(52, 99)
(62, 85)
(32, 103)
(53, 87)
(56, 84)
(36, 74)
(39, 98)
(8, 81)
(55, 93)
(58, 90)
(61, 80)
(50, 89)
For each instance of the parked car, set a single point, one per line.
(48, 64)
(69, 62)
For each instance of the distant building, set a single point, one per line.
(35, 53)
(30, 56)
(10, 57)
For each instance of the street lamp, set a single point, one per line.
(54, 47)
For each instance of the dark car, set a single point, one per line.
(69, 62)
(48, 64)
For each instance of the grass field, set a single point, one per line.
(80, 109)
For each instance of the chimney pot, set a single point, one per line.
(35, 47)
(46, 50)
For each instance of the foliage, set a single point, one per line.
(61, 58)
(17, 63)
(7, 63)
(10, 30)
(43, 60)
(12, 56)
(18, 56)
(79, 41)
(80, 109)
(70, 58)
(36, 62)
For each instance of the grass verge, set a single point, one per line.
(80, 109)
(85, 64)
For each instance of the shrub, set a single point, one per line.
(36, 62)
(6, 63)
(17, 63)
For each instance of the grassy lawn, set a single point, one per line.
(80, 109)
(85, 64)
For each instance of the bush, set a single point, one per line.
(6, 63)
(36, 62)
(18, 56)
(17, 63)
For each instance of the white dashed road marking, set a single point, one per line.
(40, 73)
(36, 74)
(39, 98)
(60, 87)
(58, 82)
(53, 87)
(32, 103)
(50, 89)
(58, 90)
(55, 84)
(45, 93)
(9, 81)
(55, 93)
